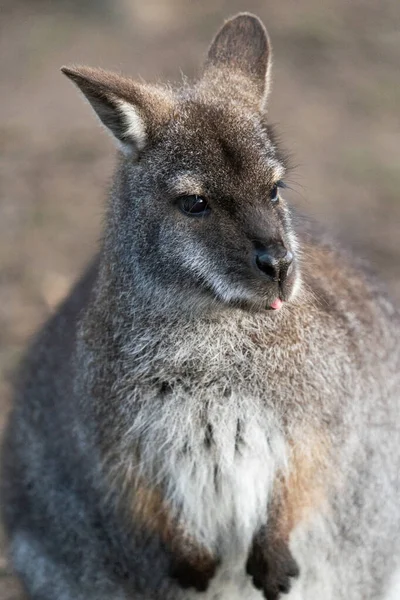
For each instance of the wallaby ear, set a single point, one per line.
(131, 111)
(241, 49)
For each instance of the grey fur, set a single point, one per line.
(164, 376)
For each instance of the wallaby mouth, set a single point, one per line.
(276, 304)
(274, 263)
(286, 291)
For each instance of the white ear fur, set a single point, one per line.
(135, 128)
(130, 111)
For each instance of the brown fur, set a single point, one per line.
(304, 490)
(151, 513)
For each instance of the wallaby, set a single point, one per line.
(214, 411)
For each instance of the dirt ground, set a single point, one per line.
(336, 98)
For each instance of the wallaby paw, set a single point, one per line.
(271, 567)
(197, 576)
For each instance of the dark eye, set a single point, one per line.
(274, 193)
(194, 206)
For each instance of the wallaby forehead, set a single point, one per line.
(217, 136)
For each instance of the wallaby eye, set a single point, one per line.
(194, 206)
(274, 193)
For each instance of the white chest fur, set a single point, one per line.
(217, 461)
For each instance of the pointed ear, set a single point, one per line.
(241, 52)
(131, 111)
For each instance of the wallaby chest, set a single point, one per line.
(208, 429)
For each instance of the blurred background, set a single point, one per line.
(335, 100)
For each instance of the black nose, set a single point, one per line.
(273, 260)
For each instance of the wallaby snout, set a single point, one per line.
(274, 261)
(274, 265)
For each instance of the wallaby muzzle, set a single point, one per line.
(273, 261)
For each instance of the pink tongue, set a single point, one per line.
(277, 304)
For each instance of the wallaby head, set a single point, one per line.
(196, 214)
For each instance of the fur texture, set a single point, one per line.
(173, 435)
